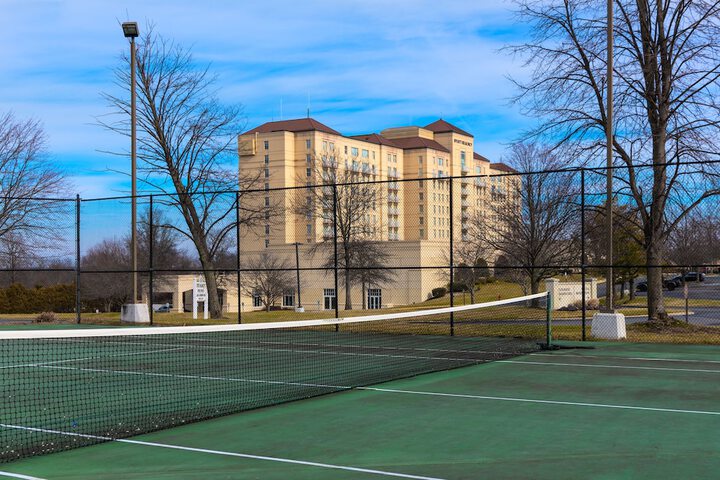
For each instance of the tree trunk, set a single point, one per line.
(631, 284)
(534, 288)
(364, 298)
(656, 305)
(348, 296)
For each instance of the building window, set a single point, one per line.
(267, 159)
(440, 161)
(420, 159)
(267, 172)
(289, 299)
(394, 158)
(373, 155)
(267, 186)
(374, 300)
(308, 158)
(267, 229)
(345, 149)
(325, 146)
(329, 300)
(267, 243)
(257, 300)
(422, 221)
(267, 201)
(462, 156)
(308, 144)
(308, 172)
(309, 229)
(354, 151)
(365, 153)
(422, 233)
(267, 145)
(332, 146)
(422, 196)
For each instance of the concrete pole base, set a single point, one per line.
(135, 313)
(299, 309)
(608, 326)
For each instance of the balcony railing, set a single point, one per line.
(465, 203)
(392, 186)
(393, 224)
(480, 182)
(392, 198)
(464, 191)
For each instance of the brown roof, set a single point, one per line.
(441, 126)
(477, 156)
(296, 125)
(503, 168)
(376, 139)
(418, 142)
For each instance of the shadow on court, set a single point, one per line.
(615, 411)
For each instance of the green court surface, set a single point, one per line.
(618, 411)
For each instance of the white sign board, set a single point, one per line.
(200, 295)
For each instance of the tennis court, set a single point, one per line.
(617, 410)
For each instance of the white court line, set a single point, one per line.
(224, 453)
(644, 359)
(19, 475)
(531, 400)
(623, 367)
(195, 377)
(43, 364)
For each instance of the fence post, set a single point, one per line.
(548, 320)
(237, 253)
(151, 260)
(335, 246)
(78, 316)
(452, 267)
(583, 259)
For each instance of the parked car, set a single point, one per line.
(668, 284)
(694, 277)
(163, 309)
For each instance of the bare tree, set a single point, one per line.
(469, 256)
(531, 220)
(187, 149)
(695, 241)
(28, 183)
(106, 289)
(370, 267)
(347, 198)
(269, 278)
(628, 254)
(667, 72)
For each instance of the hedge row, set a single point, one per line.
(54, 298)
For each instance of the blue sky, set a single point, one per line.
(364, 65)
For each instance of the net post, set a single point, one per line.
(77, 259)
(151, 260)
(452, 268)
(237, 254)
(583, 259)
(335, 247)
(548, 321)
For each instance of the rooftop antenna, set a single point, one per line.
(308, 105)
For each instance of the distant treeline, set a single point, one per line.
(18, 298)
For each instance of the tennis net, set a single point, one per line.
(65, 388)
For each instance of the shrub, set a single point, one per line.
(438, 292)
(46, 317)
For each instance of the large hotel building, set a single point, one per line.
(411, 218)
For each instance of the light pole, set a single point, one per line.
(135, 312)
(130, 29)
(609, 154)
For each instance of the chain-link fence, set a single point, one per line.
(336, 248)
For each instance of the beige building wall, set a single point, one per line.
(413, 217)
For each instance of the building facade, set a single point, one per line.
(408, 209)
